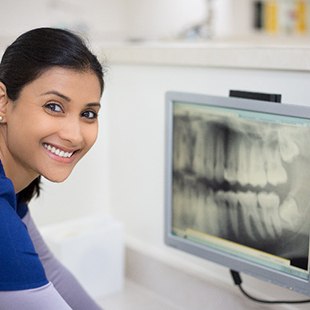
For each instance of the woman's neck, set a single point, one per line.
(14, 170)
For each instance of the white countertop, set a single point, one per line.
(255, 54)
(136, 297)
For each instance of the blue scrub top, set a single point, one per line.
(20, 266)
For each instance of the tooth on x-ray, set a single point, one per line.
(230, 173)
(219, 156)
(269, 204)
(232, 200)
(242, 167)
(209, 155)
(256, 169)
(275, 171)
(248, 202)
(288, 148)
(289, 212)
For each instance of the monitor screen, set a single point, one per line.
(237, 185)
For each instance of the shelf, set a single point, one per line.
(280, 54)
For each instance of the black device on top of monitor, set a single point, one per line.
(237, 185)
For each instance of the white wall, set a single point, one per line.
(95, 18)
(161, 19)
(102, 19)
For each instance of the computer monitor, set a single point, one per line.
(238, 185)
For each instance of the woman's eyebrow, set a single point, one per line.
(55, 92)
(93, 104)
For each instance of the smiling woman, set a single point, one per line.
(50, 91)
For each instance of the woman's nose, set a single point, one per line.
(71, 131)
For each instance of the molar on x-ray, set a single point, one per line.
(243, 180)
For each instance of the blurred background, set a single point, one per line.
(121, 180)
(158, 20)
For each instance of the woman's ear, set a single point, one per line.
(4, 100)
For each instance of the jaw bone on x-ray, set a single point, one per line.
(243, 180)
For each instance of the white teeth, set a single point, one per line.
(57, 152)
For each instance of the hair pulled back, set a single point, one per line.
(33, 53)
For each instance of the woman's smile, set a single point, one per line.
(59, 153)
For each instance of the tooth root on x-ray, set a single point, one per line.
(233, 213)
(201, 219)
(199, 156)
(209, 159)
(178, 155)
(276, 221)
(269, 203)
(288, 148)
(182, 141)
(178, 204)
(222, 205)
(213, 213)
(192, 194)
(248, 205)
(276, 174)
(219, 156)
(254, 215)
(242, 173)
(230, 173)
(206, 210)
(256, 171)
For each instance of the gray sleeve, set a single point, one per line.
(64, 282)
(44, 297)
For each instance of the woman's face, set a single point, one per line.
(53, 123)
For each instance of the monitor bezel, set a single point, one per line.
(227, 260)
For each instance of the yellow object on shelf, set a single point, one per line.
(301, 16)
(271, 16)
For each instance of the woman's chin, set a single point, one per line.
(56, 179)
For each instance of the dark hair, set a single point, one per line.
(33, 53)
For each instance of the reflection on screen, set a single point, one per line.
(241, 184)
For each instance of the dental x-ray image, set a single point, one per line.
(244, 179)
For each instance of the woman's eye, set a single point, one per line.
(54, 107)
(90, 114)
